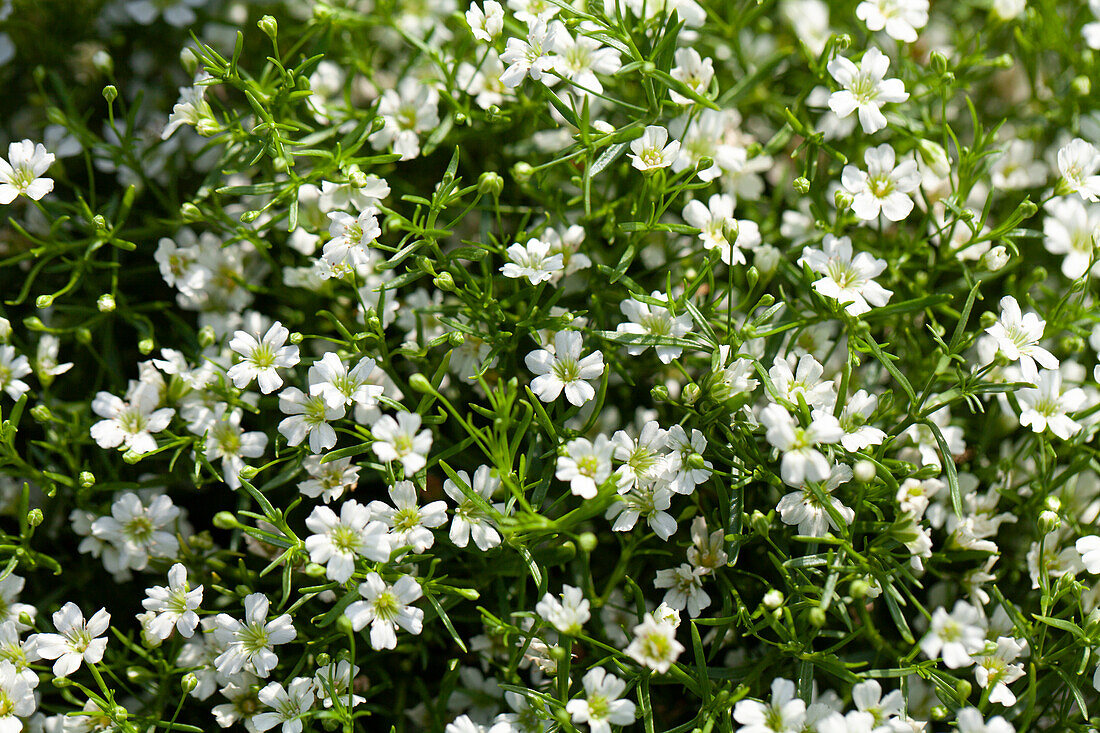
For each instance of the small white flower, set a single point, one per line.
(970, 721)
(532, 261)
(470, 520)
(398, 440)
(14, 366)
(685, 588)
(309, 416)
(328, 480)
(580, 59)
(486, 24)
(77, 640)
(261, 357)
(865, 89)
(193, 110)
(955, 636)
(654, 645)
(1017, 336)
(331, 378)
(409, 110)
(174, 605)
(642, 458)
(21, 173)
(883, 188)
(784, 712)
(129, 424)
(802, 461)
(694, 71)
(250, 644)
(410, 525)
(685, 467)
(385, 607)
(601, 706)
(1077, 163)
(650, 500)
(1070, 229)
(654, 320)
(849, 281)
(337, 541)
(45, 359)
(351, 237)
(1089, 548)
(568, 615)
(996, 671)
(334, 681)
(289, 705)
(1046, 406)
(900, 18)
(586, 465)
(17, 696)
(803, 509)
(717, 226)
(650, 151)
(531, 57)
(137, 531)
(564, 369)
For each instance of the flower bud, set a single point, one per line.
(5, 329)
(207, 337)
(41, 414)
(934, 157)
(146, 346)
(759, 523)
(225, 520)
(817, 617)
(445, 282)
(963, 688)
(420, 383)
(995, 259)
(659, 393)
(801, 184)
(106, 303)
(248, 472)
(343, 625)
(191, 213)
(314, 570)
(249, 216)
(43, 301)
(1081, 86)
(587, 541)
(842, 200)
(104, 64)
(864, 471)
(522, 171)
(131, 457)
(773, 599)
(1049, 521)
(86, 479)
(110, 93)
(296, 337)
(35, 517)
(490, 183)
(691, 393)
(859, 589)
(269, 26)
(189, 682)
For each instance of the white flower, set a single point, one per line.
(883, 188)
(470, 519)
(867, 697)
(955, 636)
(410, 525)
(853, 420)
(289, 705)
(532, 261)
(996, 671)
(580, 59)
(21, 173)
(601, 706)
(14, 366)
(328, 480)
(137, 531)
(564, 369)
(846, 279)
(585, 465)
(351, 236)
(784, 713)
(642, 459)
(249, 645)
(261, 357)
(970, 721)
(694, 71)
(1070, 229)
(336, 542)
(486, 24)
(865, 89)
(568, 615)
(330, 378)
(650, 152)
(130, 423)
(334, 682)
(900, 18)
(1089, 548)
(16, 698)
(654, 320)
(649, 500)
(10, 608)
(717, 225)
(309, 416)
(77, 640)
(1077, 163)
(410, 109)
(707, 551)
(385, 607)
(1017, 336)
(531, 57)
(1045, 406)
(226, 440)
(804, 509)
(654, 645)
(802, 461)
(45, 358)
(398, 440)
(192, 109)
(792, 380)
(174, 605)
(685, 467)
(685, 588)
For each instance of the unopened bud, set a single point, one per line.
(1082, 87)
(1049, 521)
(934, 157)
(420, 383)
(314, 570)
(41, 413)
(207, 336)
(87, 479)
(817, 617)
(296, 337)
(189, 682)
(522, 171)
(225, 520)
(587, 541)
(5, 329)
(103, 63)
(35, 517)
(759, 523)
(995, 259)
(43, 301)
(110, 93)
(131, 457)
(106, 303)
(191, 213)
(859, 589)
(445, 282)
(248, 472)
(842, 200)
(490, 183)
(864, 471)
(773, 599)
(249, 216)
(963, 688)
(691, 393)
(146, 346)
(659, 393)
(801, 184)
(269, 26)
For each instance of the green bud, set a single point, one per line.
(445, 282)
(41, 414)
(59, 682)
(323, 658)
(131, 457)
(691, 393)
(84, 335)
(420, 383)
(35, 517)
(249, 216)
(773, 599)
(659, 393)
(456, 338)
(1049, 521)
(249, 472)
(43, 301)
(146, 346)
(269, 26)
(468, 593)
(106, 303)
(191, 213)
(864, 471)
(343, 625)
(296, 337)
(314, 570)
(801, 184)
(490, 183)
(842, 200)
(817, 617)
(1082, 87)
(963, 688)
(110, 93)
(696, 462)
(5, 329)
(859, 589)
(87, 479)
(207, 336)
(189, 682)
(226, 520)
(759, 523)
(522, 171)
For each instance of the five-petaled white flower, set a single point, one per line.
(531, 57)
(129, 424)
(289, 705)
(569, 614)
(848, 280)
(899, 18)
(564, 369)
(77, 640)
(398, 440)
(652, 150)
(385, 607)
(261, 357)
(865, 89)
(21, 173)
(250, 644)
(602, 706)
(1017, 335)
(532, 261)
(337, 541)
(174, 605)
(646, 319)
(883, 188)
